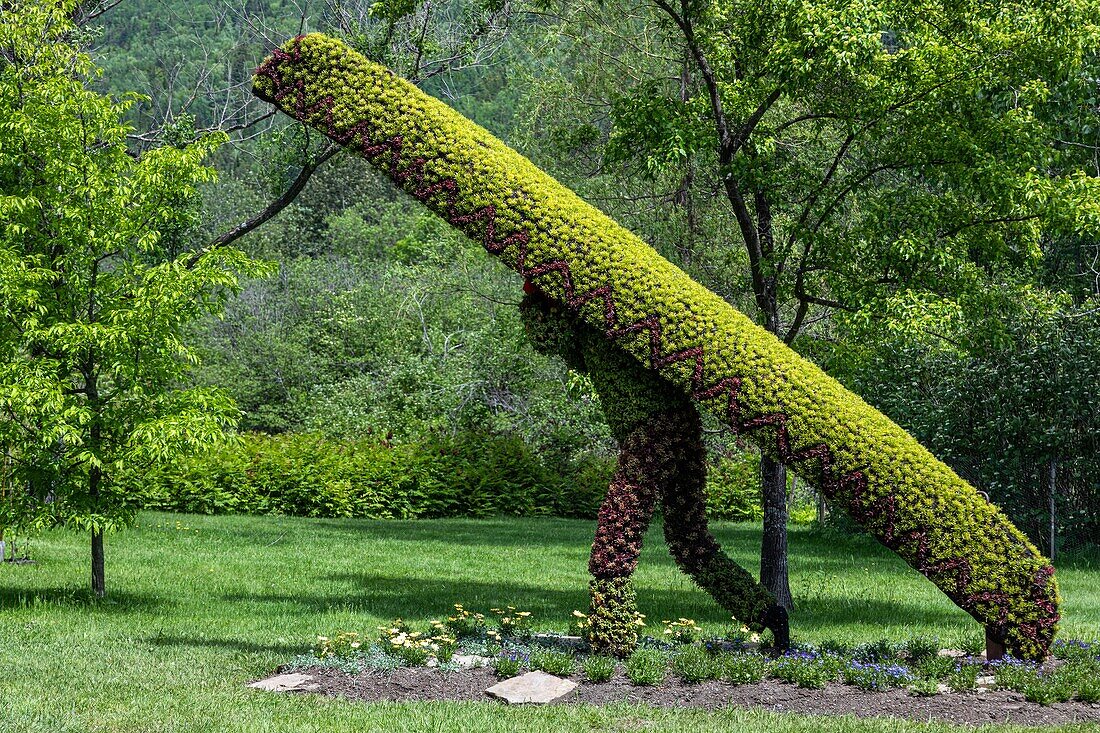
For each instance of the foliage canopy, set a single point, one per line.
(92, 347)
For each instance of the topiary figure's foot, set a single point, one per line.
(777, 621)
(613, 619)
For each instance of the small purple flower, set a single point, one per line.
(801, 655)
(877, 675)
(1009, 661)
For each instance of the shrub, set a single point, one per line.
(920, 649)
(743, 669)
(508, 663)
(598, 668)
(876, 651)
(552, 662)
(611, 626)
(647, 667)
(924, 687)
(964, 677)
(806, 669)
(467, 475)
(733, 488)
(936, 668)
(695, 664)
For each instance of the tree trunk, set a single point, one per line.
(95, 473)
(99, 583)
(773, 545)
(99, 587)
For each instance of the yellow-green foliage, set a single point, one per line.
(969, 548)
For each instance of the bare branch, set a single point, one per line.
(85, 13)
(273, 208)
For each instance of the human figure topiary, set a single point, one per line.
(661, 458)
(860, 461)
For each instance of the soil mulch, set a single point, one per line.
(977, 708)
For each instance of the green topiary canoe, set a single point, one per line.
(857, 457)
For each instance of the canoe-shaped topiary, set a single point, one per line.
(860, 460)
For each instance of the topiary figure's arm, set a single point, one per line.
(859, 459)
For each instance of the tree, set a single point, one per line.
(1007, 398)
(92, 348)
(870, 155)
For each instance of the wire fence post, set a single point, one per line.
(1052, 491)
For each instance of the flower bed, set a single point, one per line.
(458, 658)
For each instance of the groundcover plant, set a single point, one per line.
(859, 459)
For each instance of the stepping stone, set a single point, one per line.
(285, 683)
(471, 661)
(532, 688)
(564, 640)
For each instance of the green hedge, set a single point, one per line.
(469, 475)
(862, 461)
(311, 476)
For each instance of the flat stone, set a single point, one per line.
(285, 683)
(532, 688)
(471, 661)
(986, 683)
(564, 639)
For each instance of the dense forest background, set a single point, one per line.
(382, 327)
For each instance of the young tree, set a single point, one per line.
(92, 310)
(871, 156)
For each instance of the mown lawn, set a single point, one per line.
(201, 605)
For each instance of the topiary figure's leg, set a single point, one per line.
(661, 455)
(620, 530)
(692, 545)
(631, 498)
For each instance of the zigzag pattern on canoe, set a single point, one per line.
(952, 575)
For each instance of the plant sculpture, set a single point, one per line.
(609, 279)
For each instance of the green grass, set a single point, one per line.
(195, 613)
